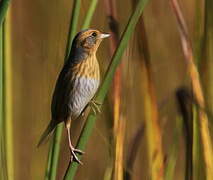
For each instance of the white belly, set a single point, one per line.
(84, 90)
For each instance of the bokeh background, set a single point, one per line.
(38, 34)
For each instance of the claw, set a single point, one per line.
(74, 156)
(78, 151)
(95, 106)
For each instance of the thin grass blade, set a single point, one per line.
(8, 113)
(4, 4)
(73, 25)
(89, 14)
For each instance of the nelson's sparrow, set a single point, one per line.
(77, 83)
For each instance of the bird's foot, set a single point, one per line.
(74, 156)
(95, 106)
(78, 151)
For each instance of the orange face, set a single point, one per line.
(90, 39)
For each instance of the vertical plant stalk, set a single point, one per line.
(73, 25)
(88, 127)
(206, 59)
(207, 56)
(54, 153)
(89, 14)
(134, 147)
(173, 152)
(196, 88)
(3, 169)
(185, 102)
(153, 132)
(198, 30)
(8, 97)
(3, 124)
(119, 148)
(198, 163)
(119, 124)
(199, 35)
(3, 9)
(2, 151)
(47, 174)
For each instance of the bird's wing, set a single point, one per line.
(61, 96)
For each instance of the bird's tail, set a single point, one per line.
(47, 132)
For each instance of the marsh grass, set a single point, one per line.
(207, 55)
(190, 125)
(196, 89)
(153, 131)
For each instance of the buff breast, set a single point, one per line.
(86, 82)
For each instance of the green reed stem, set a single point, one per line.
(207, 61)
(55, 152)
(8, 105)
(173, 153)
(73, 25)
(3, 9)
(88, 127)
(2, 148)
(198, 163)
(89, 14)
(3, 160)
(49, 162)
(53, 156)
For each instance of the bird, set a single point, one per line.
(76, 85)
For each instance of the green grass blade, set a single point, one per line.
(55, 151)
(3, 9)
(119, 52)
(207, 62)
(198, 161)
(8, 97)
(53, 157)
(49, 162)
(87, 130)
(73, 25)
(173, 153)
(2, 142)
(90, 12)
(1, 105)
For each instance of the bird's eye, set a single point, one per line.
(94, 34)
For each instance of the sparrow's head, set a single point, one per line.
(89, 40)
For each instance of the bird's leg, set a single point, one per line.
(72, 149)
(95, 106)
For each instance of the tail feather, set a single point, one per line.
(47, 132)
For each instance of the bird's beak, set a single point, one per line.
(104, 35)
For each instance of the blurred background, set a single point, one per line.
(148, 115)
